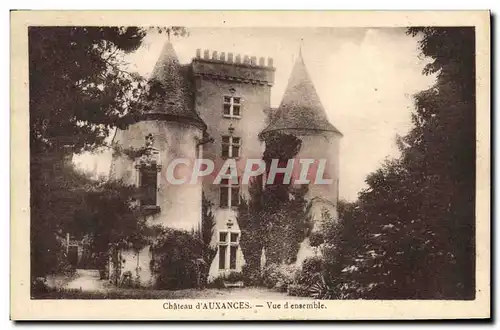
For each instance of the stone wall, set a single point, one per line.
(215, 78)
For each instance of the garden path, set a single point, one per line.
(88, 281)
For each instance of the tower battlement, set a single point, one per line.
(230, 66)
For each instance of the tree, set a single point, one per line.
(445, 134)
(78, 88)
(249, 220)
(412, 231)
(207, 232)
(285, 218)
(56, 195)
(79, 92)
(176, 254)
(274, 218)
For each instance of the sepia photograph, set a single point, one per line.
(256, 167)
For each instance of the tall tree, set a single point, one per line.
(250, 222)
(443, 147)
(277, 213)
(417, 216)
(79, 91)
(78, 88)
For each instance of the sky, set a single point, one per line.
(365, 78)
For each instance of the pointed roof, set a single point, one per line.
(170, 89)
(300, 107)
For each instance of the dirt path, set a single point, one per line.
(241, 293)
(89, 282)
(86, 280)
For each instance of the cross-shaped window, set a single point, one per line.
(232, 107)
(231, 146)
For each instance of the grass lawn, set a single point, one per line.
(114, 293)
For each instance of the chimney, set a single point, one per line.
(206, 54)
(222, 56)
(270, 62)
(262, 61)
(198, 53)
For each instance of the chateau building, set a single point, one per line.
(218, 107)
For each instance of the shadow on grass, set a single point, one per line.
(121, 293)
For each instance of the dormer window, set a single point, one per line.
(232, 107)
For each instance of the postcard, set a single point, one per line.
(250, 165)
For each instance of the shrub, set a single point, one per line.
(311, 268)
(313, 264)
(130, 282)
(279, 276)
(234, 277)
(176, 254)
(217, 283)
(316, 239)
(310, 281)
(251, 276)
(39, 286)
(298, 290)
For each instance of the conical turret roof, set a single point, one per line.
(300, 107)
(170, 92)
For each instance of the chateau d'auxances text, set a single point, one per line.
(239, 305)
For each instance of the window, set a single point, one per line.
(149, 182)
(222, 256)
(231, 146)
(229, 193)
(228, 250)
(232, 106)
(232, 256)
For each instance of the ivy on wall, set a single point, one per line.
(275, 217)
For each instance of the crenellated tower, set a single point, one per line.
(233, 94)
(218, 108)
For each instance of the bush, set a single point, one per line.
(310, 281)
(279, 276)
(251, 276)
(217, 283)
(298, 290)
(311, 268)
(103, 274)
(234, 277)
(316, 239)
(39, 286)
(130, 282)
(175, 256)
(313, 264)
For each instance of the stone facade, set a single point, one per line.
(219, 79)
(227, 98)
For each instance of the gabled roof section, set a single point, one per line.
(300, 107)
(170, 94)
